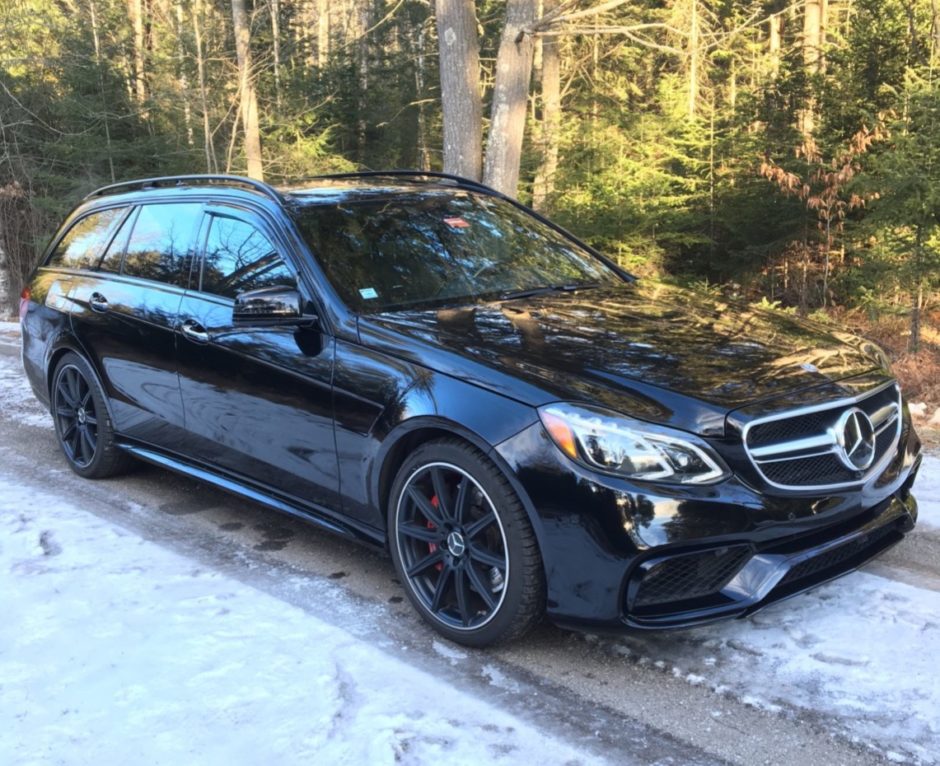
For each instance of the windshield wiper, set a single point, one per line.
(512, 295)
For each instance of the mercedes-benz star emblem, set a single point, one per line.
(456, 544)
(856, 439)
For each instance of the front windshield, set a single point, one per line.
(441, 247)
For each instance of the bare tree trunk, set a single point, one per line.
(776, 28)
(917, 295)
(363, 22)
(694, 32)
(96, 38)
(544, 185)
(248, 96)
(460, 87)
(812, 47)
(323, 34)
(135, 9)
(418, 46)
(934, 33)
(182, 77)
(212, 164)
(510, 93)
(276, 40)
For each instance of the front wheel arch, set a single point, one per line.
(412, 434)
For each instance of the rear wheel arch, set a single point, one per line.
(71, 346)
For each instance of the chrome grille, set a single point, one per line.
(801, 449)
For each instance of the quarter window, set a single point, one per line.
(160, 247)
(81, 247)
(111, 260)
(239, 258)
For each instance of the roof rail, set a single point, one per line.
(413, 174)
(189, 180)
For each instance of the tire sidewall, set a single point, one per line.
(104, 434)
(511, 516)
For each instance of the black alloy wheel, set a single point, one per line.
(76, 417)
(464, 548)
(82, 424)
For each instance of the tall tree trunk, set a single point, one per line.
(135, 9)
(246, 84)
(182, 77)
(461, 103)
(212, 164)
(323, 34)
(276, 46)
(418, 48)
(363, 21)
(96, 39)
(510, 93)
(776, 28)
(812, 48)
(544, 185)
(917, 294)
(694, 45)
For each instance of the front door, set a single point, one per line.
(257, 399)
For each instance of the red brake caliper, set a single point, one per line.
(433, 546)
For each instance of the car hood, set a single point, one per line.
(647, 349)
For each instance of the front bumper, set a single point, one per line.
(621, 554)
(660, 595)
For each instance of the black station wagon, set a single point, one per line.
(424, 364)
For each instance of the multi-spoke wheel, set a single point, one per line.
(81, 421)
(463, 546)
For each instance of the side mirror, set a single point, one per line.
(269, 305)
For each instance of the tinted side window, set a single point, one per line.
(238, 258)
(111, 260)
(160, 247)
(81, 247)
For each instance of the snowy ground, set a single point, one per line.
(112, 644)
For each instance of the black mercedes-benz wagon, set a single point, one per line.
(419, 362)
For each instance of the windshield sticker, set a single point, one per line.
(368, 293)
(456, 222)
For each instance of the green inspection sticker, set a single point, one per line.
(368, 293)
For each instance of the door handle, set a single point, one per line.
(98, 303)
(194, 331)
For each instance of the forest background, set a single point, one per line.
(782, 152)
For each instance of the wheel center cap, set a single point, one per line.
(456, 544)
(82, 416)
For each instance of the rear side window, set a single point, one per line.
(111, 260)
(161, 245)
(239, 258)
(82, 246)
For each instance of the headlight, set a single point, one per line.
(613, 443)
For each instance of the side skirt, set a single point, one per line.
(321, 517)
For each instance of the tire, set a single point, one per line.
(82, 425)
(463, 546)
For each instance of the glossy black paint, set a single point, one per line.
(313, 418)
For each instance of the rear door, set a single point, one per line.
(125, 315)
(257, 399)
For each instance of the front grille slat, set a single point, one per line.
(820, 467)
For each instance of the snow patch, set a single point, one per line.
(17, 400)
(111, 645)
